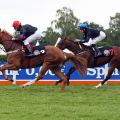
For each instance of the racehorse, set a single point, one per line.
(52, 59)
(108, 55)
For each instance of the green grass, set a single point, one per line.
(81, 102)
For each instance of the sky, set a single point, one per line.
(40, 13)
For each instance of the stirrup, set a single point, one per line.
(31, 54)
(98, 53)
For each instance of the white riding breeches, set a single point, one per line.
(88, 43)
(97, 39)
(37, 35)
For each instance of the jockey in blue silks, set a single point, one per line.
(28, 34)
(91, 36)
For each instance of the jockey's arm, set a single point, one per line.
(19, 39)
(21, 36)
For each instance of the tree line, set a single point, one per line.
(66, 25)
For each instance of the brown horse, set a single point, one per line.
(52, 60)
(82, 51)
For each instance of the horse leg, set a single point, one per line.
(58, 72)
(110, 71)
(7, 67)
(44, 69)
(71, 70)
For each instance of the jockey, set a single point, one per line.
(91, 36)
(27, 34)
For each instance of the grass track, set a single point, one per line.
(46, 103)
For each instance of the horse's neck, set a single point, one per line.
(10, 45)
(84, 48)
(75, 48)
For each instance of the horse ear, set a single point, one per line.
(66, 37)
(0, 29)
(58, 40)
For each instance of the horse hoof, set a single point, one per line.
(22, 86)
(98, 86)
(60, 91)
(55, 84)
(10, 79)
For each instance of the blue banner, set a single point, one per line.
(98, 73)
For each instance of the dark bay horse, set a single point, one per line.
(54, 57)
(80, 50)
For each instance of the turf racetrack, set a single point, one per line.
(81, 102)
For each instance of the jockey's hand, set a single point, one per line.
(42, 39)
(77, 40)
(13, 38)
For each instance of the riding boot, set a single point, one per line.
(29, 50)
(89, 47)
(96, 50)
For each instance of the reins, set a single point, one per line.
(80, 45)
(14, 51)
(2, 48)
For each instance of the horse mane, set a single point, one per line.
(5, 35)
(72, 40)
(6, 32)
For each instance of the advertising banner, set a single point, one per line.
(98, 73)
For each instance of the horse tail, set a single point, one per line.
(79, 63)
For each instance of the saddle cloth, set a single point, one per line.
(39, 50)
(105, 51)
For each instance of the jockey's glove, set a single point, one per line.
(77, 40)
(13, 38)
(82, 41)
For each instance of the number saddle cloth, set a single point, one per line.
(105, 51)
(39, 50)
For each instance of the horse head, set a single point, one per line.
(69, 44)
(7, 42)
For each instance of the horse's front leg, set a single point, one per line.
(7, 67)
(44, 69)
(110, 71)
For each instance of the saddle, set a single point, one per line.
(36, 50)
(104, 51)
